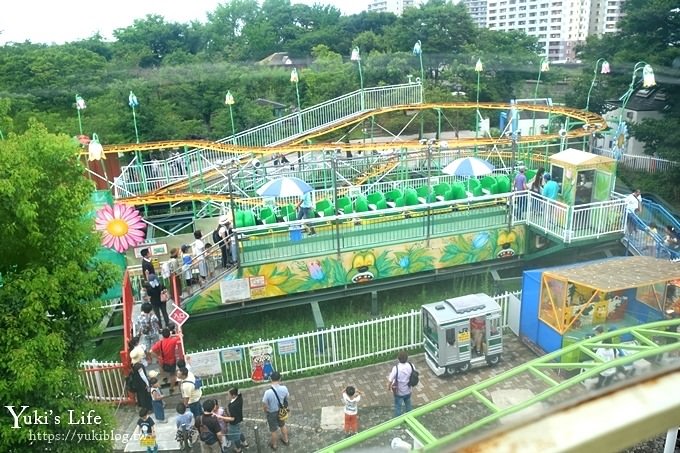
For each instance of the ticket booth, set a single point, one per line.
(583, 177)
(564, 305)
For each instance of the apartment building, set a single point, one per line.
(559, 25)
(390, 6)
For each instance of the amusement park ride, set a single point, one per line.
(384, 206)
(385, 209)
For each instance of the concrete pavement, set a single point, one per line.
(316, 409)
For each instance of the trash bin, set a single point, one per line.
(295, 233)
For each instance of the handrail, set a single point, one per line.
(647, 348)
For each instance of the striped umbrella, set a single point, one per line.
(468, 166)
(284, 187)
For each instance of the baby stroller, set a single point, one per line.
(187, 436)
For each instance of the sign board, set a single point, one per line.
(178, 315)
(205, 363)
(287, 346)
(236, 290)
(257, 285)
(353, 191)
(154, 249)
(231, 355)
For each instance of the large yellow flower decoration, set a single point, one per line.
(122, 226)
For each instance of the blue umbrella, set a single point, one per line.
(468, 166)
(288, 186)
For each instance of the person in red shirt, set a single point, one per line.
(477, 326)
(168, 350)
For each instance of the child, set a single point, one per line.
(218, 413)
(351, 398)
(147, 431)
(186, 267)
(157, 400)
(185, 424)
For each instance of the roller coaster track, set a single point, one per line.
(651, 341)
(591, 123)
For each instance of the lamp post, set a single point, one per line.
(545, 67)
(95, 151)
(295, 79)
(133, 102)
(418, 50)
(478, 69)
(80, 105)
(648, 80)
(604, 69)
(356, 56)
(229, 101)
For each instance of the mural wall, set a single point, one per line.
(360, 267)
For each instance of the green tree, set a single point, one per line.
(50, 281)
(649, 32)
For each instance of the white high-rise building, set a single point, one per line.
(559, 25)
(390, 6)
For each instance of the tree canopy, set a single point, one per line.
(180, 72)
(49, 282)
(650, 33)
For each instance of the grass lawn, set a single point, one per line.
(225, 330)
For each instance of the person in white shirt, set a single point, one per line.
(198, 249)
(633, 207)
(607, 354)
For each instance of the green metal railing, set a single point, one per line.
(650, 342)
(140, 178)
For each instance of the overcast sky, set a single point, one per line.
(59, 21)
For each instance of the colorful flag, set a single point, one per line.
(132, 100)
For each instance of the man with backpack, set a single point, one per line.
(401, 381)
(190, 388)
(209, 430)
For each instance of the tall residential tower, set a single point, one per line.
(559, 25)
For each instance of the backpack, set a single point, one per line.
(198, 382)
(205, 434)
(130, 383)
(216, 235)
(414, 378)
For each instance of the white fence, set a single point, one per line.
(324, 348)
(649, 164)
(104, 381)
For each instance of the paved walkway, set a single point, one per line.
(316, 410)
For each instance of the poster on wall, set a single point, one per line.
(154, 250)
(205, 363)
(234, 290)
(231, 355)
(257, 285)
(287, 346)
(261, 362)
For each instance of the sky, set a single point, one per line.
(59, 21)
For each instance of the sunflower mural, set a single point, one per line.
(206, 300)
(279, 279)
(415, 258)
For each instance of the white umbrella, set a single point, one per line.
(468, 166)
(288, 186)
